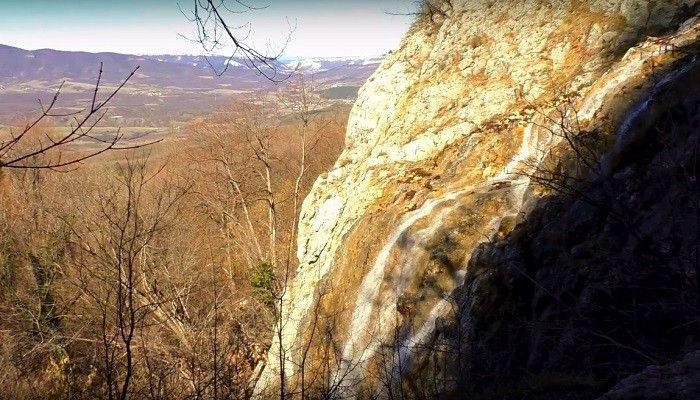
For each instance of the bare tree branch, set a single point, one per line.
(16, 155)
(215, 33)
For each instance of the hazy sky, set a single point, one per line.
(323, 28)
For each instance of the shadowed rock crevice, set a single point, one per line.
(574, 300)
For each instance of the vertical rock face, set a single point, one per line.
(440, 148)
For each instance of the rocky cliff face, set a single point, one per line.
(453, 144)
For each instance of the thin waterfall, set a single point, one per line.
(371, 284)
(531, 149)
(367, 341)
(517, 173)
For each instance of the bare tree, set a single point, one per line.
(115, 245)
(48, 151)
(256, 175)
(216, 33)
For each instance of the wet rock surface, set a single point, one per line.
(596, 285)
(436, 189)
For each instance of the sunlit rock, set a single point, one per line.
(440, 145)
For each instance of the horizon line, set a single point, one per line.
(283, 56)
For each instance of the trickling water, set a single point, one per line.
(370, 288)
(620, 81)
(407, 349)
(516, 173)
(362, 343)
(644, 110)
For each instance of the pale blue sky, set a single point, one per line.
(323, 28)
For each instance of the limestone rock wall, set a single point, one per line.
(439, 146)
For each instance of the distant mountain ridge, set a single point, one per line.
(18, 65)
(166, 87)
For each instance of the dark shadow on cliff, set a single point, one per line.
(592, 286)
